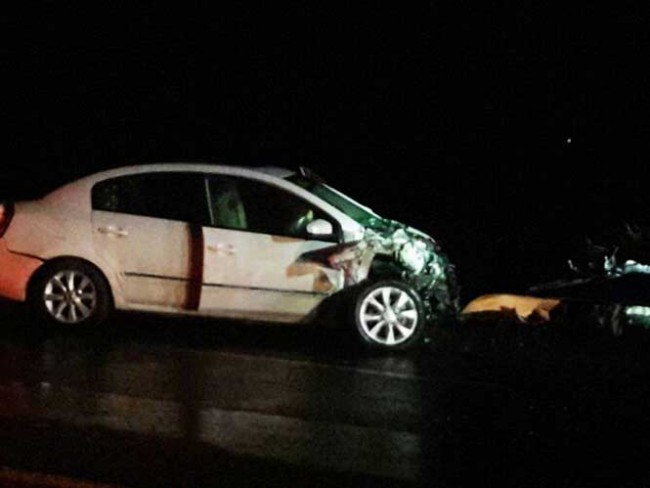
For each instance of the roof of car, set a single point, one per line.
(82, 186)
(200, 167)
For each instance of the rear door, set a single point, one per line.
(254, 252)
(148, 228)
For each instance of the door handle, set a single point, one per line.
(222, 249)
(113, 231)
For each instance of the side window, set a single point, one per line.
(254, 206)
(171, 196)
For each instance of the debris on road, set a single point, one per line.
(526, 309)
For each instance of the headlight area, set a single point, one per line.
(431, 274)
(413, 255)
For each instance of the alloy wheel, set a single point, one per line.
(388, 316)
(70, 297)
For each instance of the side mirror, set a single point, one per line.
(320, 227)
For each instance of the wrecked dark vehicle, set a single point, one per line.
(264, 244)
(608, 280)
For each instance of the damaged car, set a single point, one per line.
(264, 244)
(605, 282)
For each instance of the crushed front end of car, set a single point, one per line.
(420, 262)
(391, 250)
(401, 262)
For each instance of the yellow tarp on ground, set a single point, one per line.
(526, 308)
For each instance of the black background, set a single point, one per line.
(507, 130)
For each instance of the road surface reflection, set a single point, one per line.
(295, 398)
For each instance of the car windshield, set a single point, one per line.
(336, 199)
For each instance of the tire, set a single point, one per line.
(71, 293)
(388, 314)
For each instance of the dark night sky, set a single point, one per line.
(452, 116)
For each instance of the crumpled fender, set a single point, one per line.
(418, 257)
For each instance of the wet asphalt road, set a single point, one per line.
(150, 401)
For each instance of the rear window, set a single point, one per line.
(170, 196)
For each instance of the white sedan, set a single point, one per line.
(260, 244)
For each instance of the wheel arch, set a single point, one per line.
(59, 259)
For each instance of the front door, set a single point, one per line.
(253, 253)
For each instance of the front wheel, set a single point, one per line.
(70, 292)
(389, 314)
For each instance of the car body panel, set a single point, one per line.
(249, 272)
(152, 257)
(46, 231)
(17, 269)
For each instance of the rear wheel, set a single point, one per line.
(389, 314)
(70, 292)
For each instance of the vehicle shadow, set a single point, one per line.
(16, 325)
